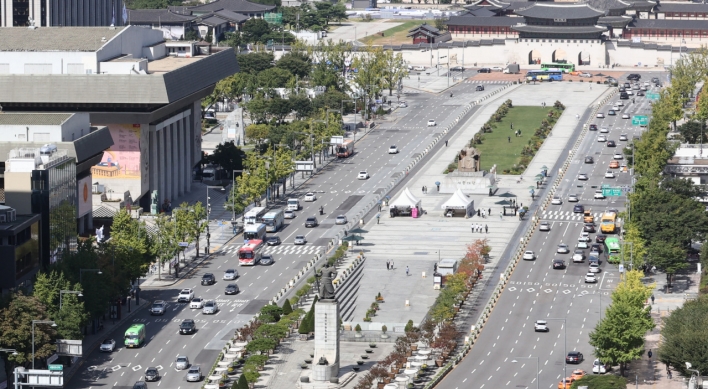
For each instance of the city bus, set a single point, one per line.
(612, 247)
(250, 254)
(255, 215)
(274, 220)
(607, 223)
(544, 75)
(563, 67)
(134, 335)
(254, 231)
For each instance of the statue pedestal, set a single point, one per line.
(326, 340)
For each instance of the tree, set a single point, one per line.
(685, 336)
(287, 308)
(254, 29)
(296, 63)
(251, 373)
(279, 108)
(66, 310)
(693, 132)
(242, 382)
(302, 106)
(257, 132)
(258, 108)
(227, 155)
(97, 288)
(669, 257)
(270, 313)
(636, 244)
(128, 250)
(255, 62)
(261, 345)
(274, 77)
(394, 70)
(165, 247)
(16, 330)
(441, 23)
(232, 39)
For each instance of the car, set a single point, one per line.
(600, 238)
(609, 174)
(598, 195)
(310, 197)
(140, 385)
(619, 103)
(578, 256)
(544, 226)
(594, 268)
(615, 108)
(634, 77)
(311, 222)
(599, 367)
(341, 219)
(582, 177)
(586, 75)
(497, 68)
(208, 279)
(595, 248)
(642, 89)
(210, 307)
(611, 143)
(574, 357)
(624, 95)
(624, 88)
(185, 295)
(573, 198)
(618, 155)
(182, 362)
(577, 208)
(540, 326)
(108, 345)
(188, 326)
(655, 80)
(589, 160)
(479, 88)
(602, 138)
(274, 241)
(593, 127)
(266, 260)
(581, 245)
(289, 214)
(636, 86)
(600, 115)
(363, 175)
(629, 92)
(431, 123)
(158, 307)
(590, 278)
(457, 69)
(151, 374)
(584, 237)
(556, 200)
(562, 249)
(558, 264)
(604, 130)
(402, 104)
(230, 274)
(623, 137)
(577, 374)
(566, 383)
(196, 303)
(231, 289)
(614, 164)
(300, 239)
(529, 255)
(611, 112)
(194, 374)
(484, 70)
(640, 93)
(421, 68)
(393, 149)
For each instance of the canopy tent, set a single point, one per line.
(406, 199)
(459, 201)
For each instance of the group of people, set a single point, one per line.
(479, 228)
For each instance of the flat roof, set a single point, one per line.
(33, 119)
(168, 64)
(56, 38)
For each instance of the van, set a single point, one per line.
(135, 335)
(293, 204)
(512, 69)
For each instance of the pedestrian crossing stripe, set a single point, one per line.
(486, 82)
(567, 215)
(280, 249)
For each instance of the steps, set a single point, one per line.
(347, 293)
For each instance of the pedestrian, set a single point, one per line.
(649, 354)
(500, 215)
(392, 265)
(409, 274)
(489, 211)
(519, 132)
(577, 116)
(472, 228)
(478, 212)
(361, 222)
(388, 265)
(423, 189)
(653, 269)
(522, 205)
(508, 138)
(445, 143)
(486, 229)
(512, 125)
(483, 214)
(652, 299)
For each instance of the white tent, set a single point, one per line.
(459, 201)
(406, 199)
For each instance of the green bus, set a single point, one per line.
(612, 246)
(135, 335)
(564, 67)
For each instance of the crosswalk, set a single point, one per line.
(567, 215)
(472, 81)
(282, 249)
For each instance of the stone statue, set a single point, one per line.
(326, 286)
(153, 197)
(323, 361)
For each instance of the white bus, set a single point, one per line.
(255, 215)
(274, 220)
(254, 231)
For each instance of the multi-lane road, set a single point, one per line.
(337, 190)
(538, 292)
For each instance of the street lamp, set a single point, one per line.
(61, 293)
(536, 358)
(207, 249)
(565, 343)
(233, 196)
(81, 273)
(54, 325)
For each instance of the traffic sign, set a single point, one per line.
(652, 96)
(611, 192)
(56, 367)
(640, 120)
(183, 244)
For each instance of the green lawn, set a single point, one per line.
(495, 147)
(395, 35)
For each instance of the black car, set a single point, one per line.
(266, 260)
(593, 127)
(578, 208)
(589, 160)
(627, 85)
(273, 241)
(589, 227)
(151, 374)
(479, 88)
(208, 279)
(311, 222)
(484, 70)
(624, 96)
(611, 143)
(655, 79)
(611, 112)
(558, 264)
(574, 357)
(640, 93)
(634, 77)
(140, 385)
(600, 238)
(231, 289)
(187, 326)
(595, 247)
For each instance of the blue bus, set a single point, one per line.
(544, 75)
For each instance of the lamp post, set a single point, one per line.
(536, 358)
(81, 273)
(565, 343)
(207, 249)
(39, 322)
(61, 293)
(233, 196)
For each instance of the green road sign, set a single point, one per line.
(640, 120)
(611, 192)
(652, 96)
(56, 367)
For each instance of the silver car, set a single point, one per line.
(289, 214)
(544, 226)
(230, 274)
(194, 374)
(573, 198)
(341, 219)
(562, 249)
(300, 239)
(182, 362)
(210, 308)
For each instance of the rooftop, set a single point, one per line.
(33, 119)
(239, 6)
(682, 7)
(483, 21)
(559, 11)
(168, 64)
(56, 38)
(670, 24)
(608, 4)
(138, 16)
(560, 29)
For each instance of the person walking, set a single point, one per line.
(500, 215)
(652, 299)
(472, 228)
(445, 143)
(508, 138)
(486, 229)
(392, 265)
(407, 271)
(512, 125)
(489, 211)
(483, 214)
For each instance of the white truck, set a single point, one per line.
(512, 69)
(293, 204)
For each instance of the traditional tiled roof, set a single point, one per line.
(682, 7)
(615, 21)
(426, 27)
(231, 16)
(606, 5)
(555, 30)
(157, 16)
(238, 6)
(670, 24)
(501, 21)
(482, 12)
(559, 11)
(642, 5)
(212, 21)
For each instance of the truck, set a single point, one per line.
(512, 69)
(293, 204)
(250, 254)
(345, 149)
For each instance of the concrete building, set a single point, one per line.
(123, 79)
(56, 13)
(19, 248)
(689, 162)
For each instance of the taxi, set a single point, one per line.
(614, 164)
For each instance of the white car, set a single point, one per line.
(594, 268)
(598, 195)
(497, 68)
(573, 198)
(646, 83)
(609, 174)
(363, 175)
(210, 308)
(300, 240)
(623, 137)
(578, 256)
(582, 245)
(341, 219)
(562, 249)
(620, 103)
(185, 295)
(310, 196)
(529, 256)
(540, 326)
(602, 138)
(618, 155)
(108, 345)
(599, 367)
(615, 108)
(556, 200)
(393, 150)
(289, 214)
(196, 303)
(431, 123)
(584, 237)
(600, 115)
(625, 116)
(585, 75)
(582, 177)
(420, 68)
(604, 130)
(590, 278)
(230, 274)
(629, 92)
(544, 226)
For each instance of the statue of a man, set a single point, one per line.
(326, 286)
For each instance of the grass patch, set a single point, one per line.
(395, 35)
(496, 148)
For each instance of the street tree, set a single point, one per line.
(227, 155)
(685, 337)
(279, 108)
(255, 62)
(274, 78)
(128, 249)
(16, 330)
(195, 223)
(66, 309)
(693, 132)
(258, 108)
(296, 63)
(257, 132)
(165, 240)
(97, 288)
(668, 257)
(635, 243)
(394, 70)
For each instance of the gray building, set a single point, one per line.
(57, 13)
